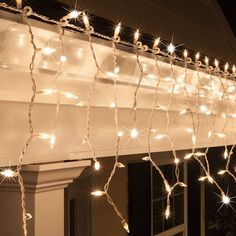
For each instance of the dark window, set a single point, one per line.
(160, 224)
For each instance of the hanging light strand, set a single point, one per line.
(27, 12)
(88, 32)
(119, 134)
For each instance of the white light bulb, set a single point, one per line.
(225, 153)
(86, 21)
(47, 91)
(117, 31)
(221, 172)
(206, 61)
(216, 63)
(136, 36)
(197, 56)
(134, 133)
(160, 136)
(225, 199)
(167, 212)
(202, 178)
(188, 156)
(74, 14)
(48, 51)
(97, 165)
(209, 134)
(120, 133)
(193, 139)
(68, 95)
(120, 165)
(63, 59)
(203, 108)
(183, 112)
(116, 69)
(220, 135)
(112, 105)
(171, 48)
(185, 53)
(43, 135)
(126, 226)
(98, 193)
(8, 173)
(183, 184)
(176, 161)
(156, 42)
(146, 158)
(80, 104)
(52, 141)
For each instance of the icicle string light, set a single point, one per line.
(27, 12)
(138, 46)
(119, 135)
(193, 107)
(89, 31)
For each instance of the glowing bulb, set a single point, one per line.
(43, 135)
(156, 42)
(120, 165)
(206, 61)
(197, 56)
(8, 173)
(98, 193)
(69, 95)
(203, 108)
(52, 141)
(47, 91)
(199, 154)
(112, 105)
(117, 31)
(120, 133)
(176, 161)
(160, 136)
(202, 178)
(146, 158)
(225, 199)
(167, 212)
(209, 134)
(221, 172)
(216, 63)
(136, 36)
(223, 115)
(19, 4)
(233, 69)
(97, 165)
(220, 135)
(189, 130)
(74, 14)
(116, 69)
(48, 51)
(80, 104)
(226, 66)
(63, 59)
(86, 21)
(225, 153)
(183, 112)
(185, 53)
(188, 156)
(134, 133)
(193, 139)
(181, 184)
(126, 226)
(171, 48)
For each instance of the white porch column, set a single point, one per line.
(44, 184)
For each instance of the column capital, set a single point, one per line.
(48, 176)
